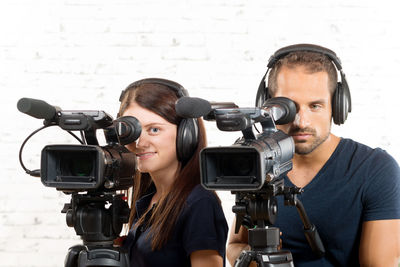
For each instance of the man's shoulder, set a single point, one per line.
(354, 148)
(356, 155)
(351, 144)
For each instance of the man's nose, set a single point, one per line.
(301, 119)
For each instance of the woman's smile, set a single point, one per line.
(145, 155)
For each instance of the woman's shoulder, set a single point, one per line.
(203, 207)
(200, 194)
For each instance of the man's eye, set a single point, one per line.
(315, 106)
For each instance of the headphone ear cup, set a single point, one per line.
(339, 105)
(187, 139)
(262, 92)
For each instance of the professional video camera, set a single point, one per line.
(92, 174)
(253, 169)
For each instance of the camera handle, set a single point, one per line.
(310, 230)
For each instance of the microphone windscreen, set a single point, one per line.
(36, 108)
(192, 107)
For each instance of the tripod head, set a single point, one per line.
(257, 211)
(90, 218)
(257, 208)
(98, 219)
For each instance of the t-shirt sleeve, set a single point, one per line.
(382, 195)
(205, 227)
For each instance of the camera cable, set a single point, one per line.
(36, 173)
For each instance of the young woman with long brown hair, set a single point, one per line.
(174, 221)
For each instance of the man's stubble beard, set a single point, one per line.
(317, 141)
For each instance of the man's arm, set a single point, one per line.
(237, 243)
(202, 258)
(380, 243)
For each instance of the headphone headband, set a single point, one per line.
(341, 101)
(308, 48)
(178, 89)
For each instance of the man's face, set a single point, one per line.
(310, 92)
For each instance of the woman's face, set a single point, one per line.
(155, 149)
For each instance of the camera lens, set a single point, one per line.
(81, 166)
(238, 164)
(72, 167)
(76, 164)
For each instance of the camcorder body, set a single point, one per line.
(254, 159)
(86, 166)
(248, 164)
(90, 167)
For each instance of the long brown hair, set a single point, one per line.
(161, 100)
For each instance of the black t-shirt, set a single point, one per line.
(356, 184)
(200, 226)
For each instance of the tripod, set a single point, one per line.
(257, 211)
(98, 226)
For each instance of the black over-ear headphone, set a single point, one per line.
(188, 129)
(341, 101)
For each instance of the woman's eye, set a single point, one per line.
(154, 130)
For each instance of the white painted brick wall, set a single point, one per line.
(79, 54)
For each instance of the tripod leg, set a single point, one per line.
(103, 257)
(244, 259)
(277, 259)
(71, 260)
(280, 259)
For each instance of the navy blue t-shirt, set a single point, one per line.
(200, 226)
(356, 184)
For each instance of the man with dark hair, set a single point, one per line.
(351, 191)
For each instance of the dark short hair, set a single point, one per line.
(312, 61)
